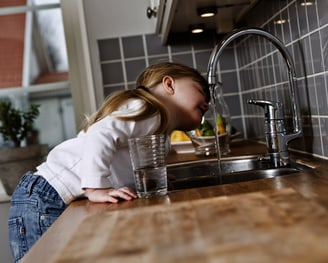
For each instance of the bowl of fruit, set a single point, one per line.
(204, 137)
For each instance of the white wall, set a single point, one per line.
(109, 19)
(86, 21)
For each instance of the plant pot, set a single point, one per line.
(15, 162)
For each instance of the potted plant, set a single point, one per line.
(17, 126)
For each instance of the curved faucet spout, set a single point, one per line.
(217, 52)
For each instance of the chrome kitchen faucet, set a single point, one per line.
(277, 138)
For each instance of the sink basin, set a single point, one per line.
(230, 170)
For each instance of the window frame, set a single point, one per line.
(27, 88)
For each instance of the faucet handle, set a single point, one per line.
(273, 110)
(274, 130)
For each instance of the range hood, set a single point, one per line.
(176, 16)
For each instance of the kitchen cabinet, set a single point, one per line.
(176, 16)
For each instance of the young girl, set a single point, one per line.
(96, 164)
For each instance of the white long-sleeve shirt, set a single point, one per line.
(98, 158)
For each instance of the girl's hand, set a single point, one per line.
(110, 195)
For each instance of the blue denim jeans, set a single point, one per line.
(35, 205)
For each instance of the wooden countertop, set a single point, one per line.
(281, 219)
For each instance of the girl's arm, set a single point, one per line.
(110, 195)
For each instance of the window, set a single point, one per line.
(32, 47)
(34, 65)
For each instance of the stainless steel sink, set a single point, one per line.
(228, 170)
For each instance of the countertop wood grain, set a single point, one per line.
(269, 220)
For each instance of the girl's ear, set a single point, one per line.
(168, 84)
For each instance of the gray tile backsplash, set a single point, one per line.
(230, 82)
(154, 45)
(248, 69)
(302, 18)
(311, 17)
(109, 49)
(202, 58)
(112, 73)
(321, 90)
(316, 47)
(133, 68)
(305, 36)
(184, 59)
(322, 7)
(133, 47)
(324, 46)
(158, 59)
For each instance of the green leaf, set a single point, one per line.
(16, 124)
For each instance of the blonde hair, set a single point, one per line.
(148, 79)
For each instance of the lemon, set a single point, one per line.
(179, 136)
(220, 122)
(198, 132)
